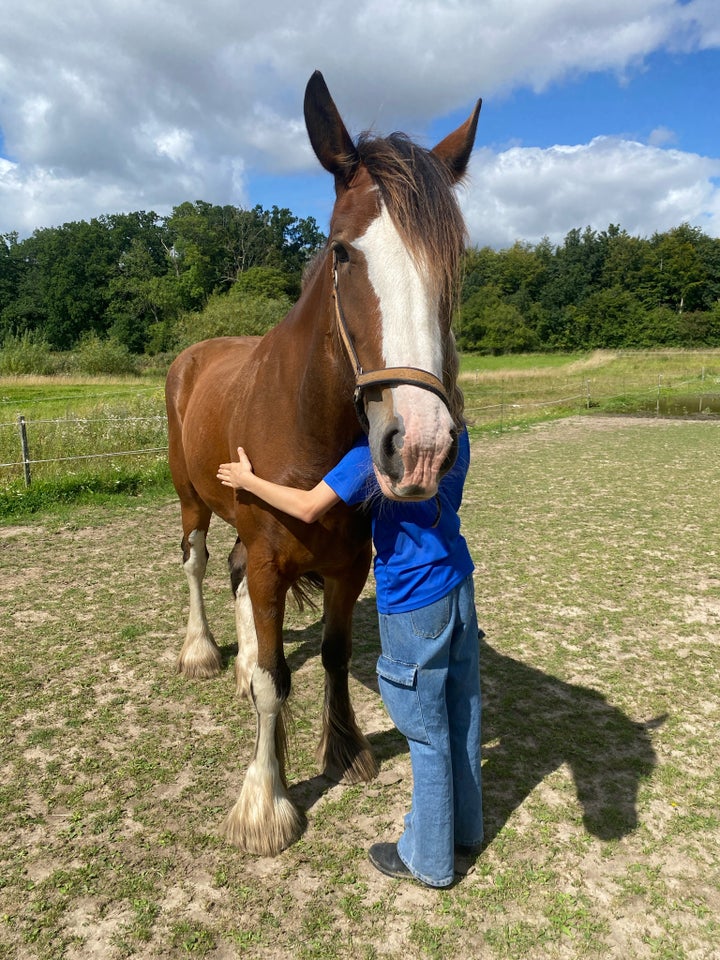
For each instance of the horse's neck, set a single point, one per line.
(311, 375)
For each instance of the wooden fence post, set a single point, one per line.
(25, 449)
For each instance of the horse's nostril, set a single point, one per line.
(390, 450)
(388, 444)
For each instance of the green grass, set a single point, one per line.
(73, 427)
(96, 416)
(474, 362)
(597, 587)
(503, 393)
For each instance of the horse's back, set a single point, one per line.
(203, 362)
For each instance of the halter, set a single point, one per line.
(386, 375)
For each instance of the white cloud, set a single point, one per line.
(661, 136)
(141, 105)
(526, 193)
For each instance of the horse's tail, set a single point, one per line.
(304, 590)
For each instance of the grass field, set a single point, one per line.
(598, 589)
(82, 433)
(503, 392)
(82, 437)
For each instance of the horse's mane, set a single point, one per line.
(312, 267)
(417, 188)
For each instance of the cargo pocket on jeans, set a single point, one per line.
(398, 689)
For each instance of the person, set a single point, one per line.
(428, 669)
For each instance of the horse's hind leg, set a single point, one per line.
(344, 752)
(200, 656)
(244, 621)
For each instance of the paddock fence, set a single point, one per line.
(36, 447)
(505, 404)
(48, 447)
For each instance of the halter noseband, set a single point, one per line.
(387, 375)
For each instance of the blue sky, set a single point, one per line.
(591, 113)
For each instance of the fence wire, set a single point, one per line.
(32, 436)
(88, 456)
(508, 405)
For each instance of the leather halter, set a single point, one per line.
(387, 376)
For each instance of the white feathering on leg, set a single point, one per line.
(264, 820)
(199, 657)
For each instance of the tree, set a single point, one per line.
(296, 241)
(614, 319)
(680, 275)
(234, 314)
(489, 325)
(480, 268)
(71, 267)
(213, 246)
(268, 282)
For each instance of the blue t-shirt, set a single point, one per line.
(420, 554)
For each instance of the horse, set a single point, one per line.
(368, 346)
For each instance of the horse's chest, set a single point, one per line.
(329, 546)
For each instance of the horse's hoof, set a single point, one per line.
(263, 821)
(200, 659)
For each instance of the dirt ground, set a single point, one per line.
(598, 588)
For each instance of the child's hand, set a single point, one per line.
(234, 474)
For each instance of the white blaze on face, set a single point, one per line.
(409, 308)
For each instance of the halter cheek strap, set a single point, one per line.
(386, 376)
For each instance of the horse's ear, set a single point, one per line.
(329, 138)
(456, 148)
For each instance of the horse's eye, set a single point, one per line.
(341, 254)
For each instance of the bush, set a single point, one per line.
(231, 316)
(27, 354)
(95, 355)
(487, 324)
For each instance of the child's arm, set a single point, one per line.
(307, 505)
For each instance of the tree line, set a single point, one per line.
(137, 278)
(154, 284)
(595, 290)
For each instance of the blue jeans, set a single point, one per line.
(429, 679)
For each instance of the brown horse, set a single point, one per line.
(369, 336)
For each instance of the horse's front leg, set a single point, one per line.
(344, 752)
(264, 820)
(244, 620)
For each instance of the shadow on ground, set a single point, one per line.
(533, 723)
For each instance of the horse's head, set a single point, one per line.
(395, 246)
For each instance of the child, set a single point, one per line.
(428, 672)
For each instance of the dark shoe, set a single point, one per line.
(462, 850)
(384, 857)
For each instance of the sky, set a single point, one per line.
(593, 112)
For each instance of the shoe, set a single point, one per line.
(384, 857)
(462, 850)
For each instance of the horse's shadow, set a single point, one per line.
(533, 723)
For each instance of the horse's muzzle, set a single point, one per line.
(409, 474)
